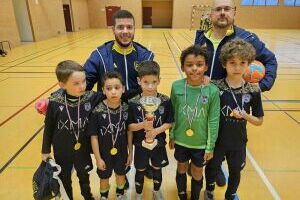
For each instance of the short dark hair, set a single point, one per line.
(66, 68)
(237, 48)
(111, 75)
(148, 67)
(121, 14)
(195, 50)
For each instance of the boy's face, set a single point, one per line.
(75, 84)
(236, 67)
(124, 31)
(113, 89)
(194, 67)
(149, 84)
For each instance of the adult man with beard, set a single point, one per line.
(223, 30)
(121, 55)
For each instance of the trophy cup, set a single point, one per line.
(150, 104)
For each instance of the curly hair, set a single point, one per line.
(237, 48)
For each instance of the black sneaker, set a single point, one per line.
(209, 195)
(220, 179)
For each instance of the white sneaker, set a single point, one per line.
(209, 195)
(157, 195)
(121, 197)
(138, 196)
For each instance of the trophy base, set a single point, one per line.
(148, 145)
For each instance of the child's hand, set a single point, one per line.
(129, 160)
(148, 125)
(101, 165)
(171, 144)
(237, 114)
(208, 156)
(46, 156)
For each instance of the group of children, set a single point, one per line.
(208, 123)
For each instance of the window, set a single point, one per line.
(246, 2)
(259, 2)
(271, 2)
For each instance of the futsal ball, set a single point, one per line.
(255, 72)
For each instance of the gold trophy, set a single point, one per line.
(150, 104)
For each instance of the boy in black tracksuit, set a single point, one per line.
(66, 119)
(240, 103)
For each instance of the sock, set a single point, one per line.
(196, 188)
(139, 181)
(181, 185)
(104, 192)
(120, 190)
(157, 178)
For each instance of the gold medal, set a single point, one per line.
(77, 146)
(113, 151)
(189, 132)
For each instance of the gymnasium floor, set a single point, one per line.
(26, 74)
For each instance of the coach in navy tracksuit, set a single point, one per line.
(121, 54)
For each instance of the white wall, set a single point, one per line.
(23, 22)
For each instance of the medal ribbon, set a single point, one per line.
(112, 128)
(70, 119)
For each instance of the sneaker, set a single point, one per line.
(220, 179)
(209, 195)
(157, 195)
(103, 198)
(121, 197)
(138, 196)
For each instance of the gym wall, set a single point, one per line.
(161, 13)
(97, 13)
(246, 16)
(8, 25)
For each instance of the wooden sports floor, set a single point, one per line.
(27, 74)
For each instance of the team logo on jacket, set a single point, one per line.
(221, 93)
(125, 116)
(61, 108)
(204, 99)
(161, 110)
(87, 106)
(246, 98)
(136, 65)
(104, 116)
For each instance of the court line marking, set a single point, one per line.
(57, 46)
(259, 171)
(20, 150)
(68, 44)
(28, 104)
